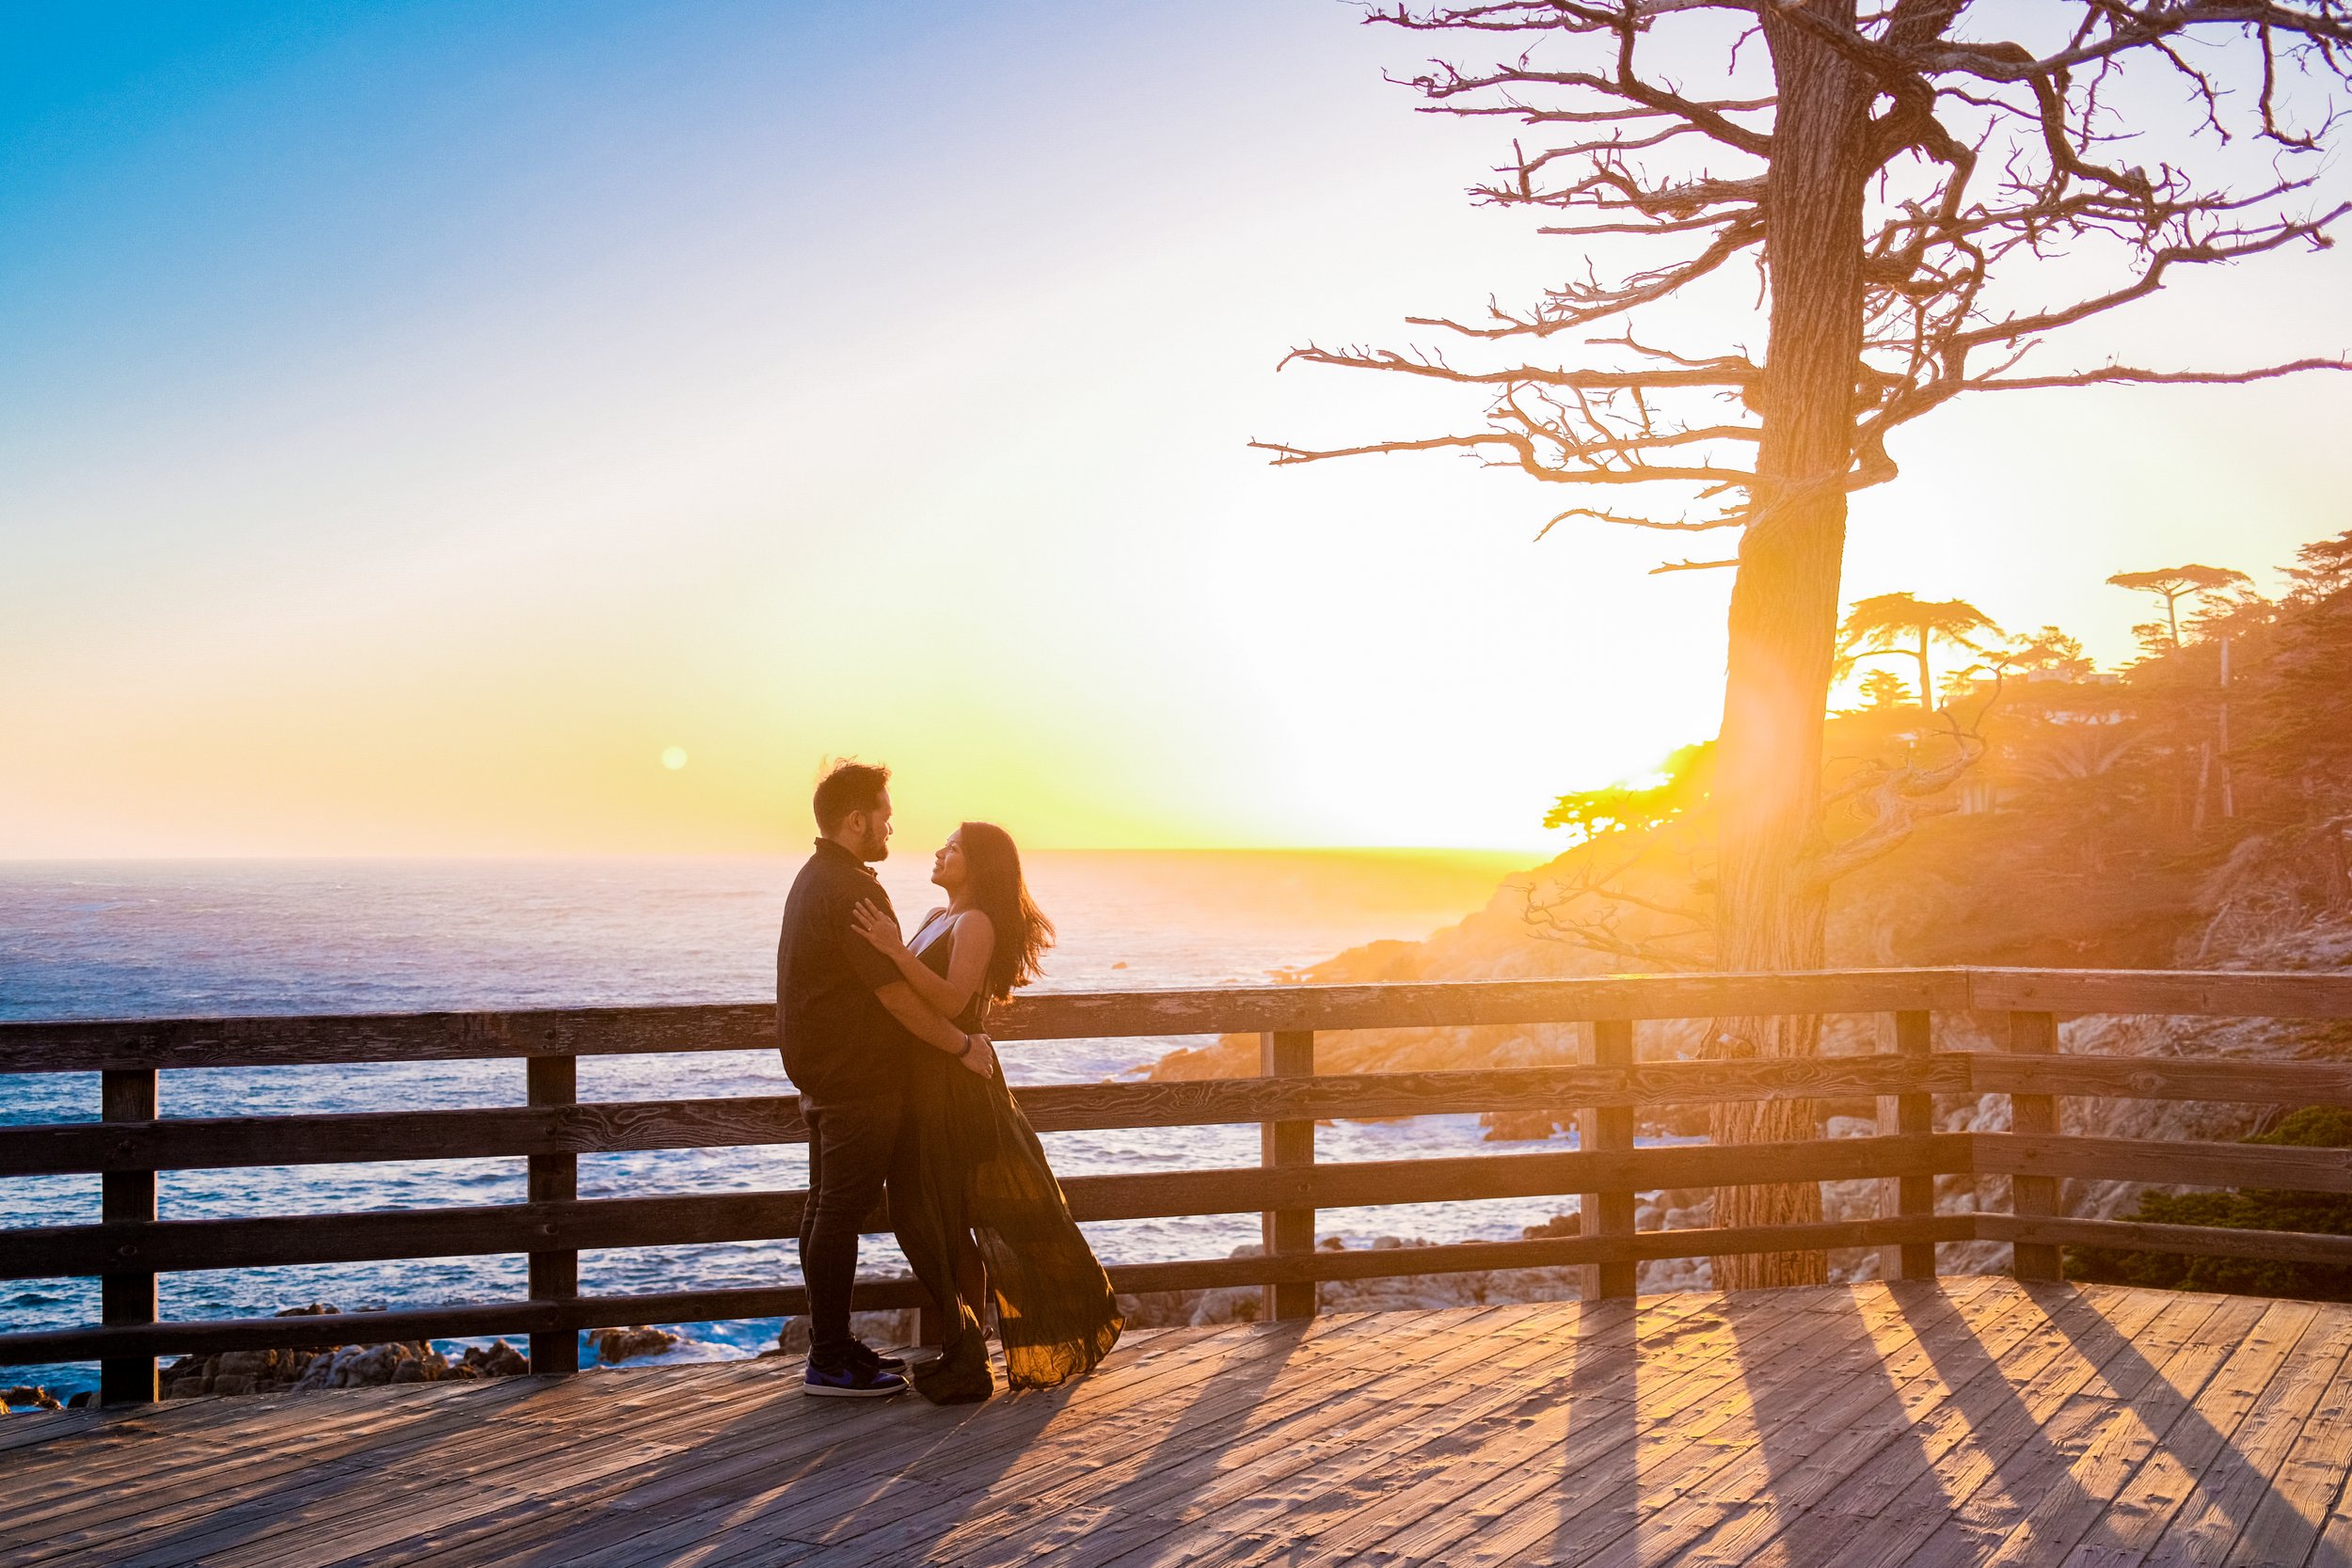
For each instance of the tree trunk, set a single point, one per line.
(1783, 602)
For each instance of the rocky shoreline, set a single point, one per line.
(362, 1365)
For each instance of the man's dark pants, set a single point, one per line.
(853, 1148)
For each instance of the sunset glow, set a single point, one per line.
(420, 418)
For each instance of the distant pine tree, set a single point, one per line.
(2252, 1209)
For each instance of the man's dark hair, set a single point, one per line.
(852, 786)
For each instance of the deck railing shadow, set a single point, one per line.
(132, 1141)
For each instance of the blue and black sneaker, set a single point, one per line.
(852, 1382)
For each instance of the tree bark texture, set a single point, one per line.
(1771, 913)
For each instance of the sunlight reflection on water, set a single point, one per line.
(198, 938)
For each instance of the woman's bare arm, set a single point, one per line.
(968, 970)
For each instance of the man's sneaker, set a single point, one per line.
(864, 1355)
(852, 1382)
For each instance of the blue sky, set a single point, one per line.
(417, 418)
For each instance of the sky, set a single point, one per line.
(487, 428)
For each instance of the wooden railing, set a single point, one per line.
(131, 1245)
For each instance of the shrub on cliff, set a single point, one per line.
(2252, 1209)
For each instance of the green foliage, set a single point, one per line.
(2252, 1209)
(1637, 806)
(1908, 625)
(2170, 584)
(2048, 653)
(1882, 690)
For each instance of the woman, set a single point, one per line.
(987, 1216)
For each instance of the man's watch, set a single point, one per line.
(965, 1053)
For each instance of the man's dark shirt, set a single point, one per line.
(839, 1043)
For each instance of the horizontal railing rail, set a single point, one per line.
(131, 1244)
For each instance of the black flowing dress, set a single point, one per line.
(981, 1180)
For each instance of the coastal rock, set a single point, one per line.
(27, 1396)
(615, 1345)
(1518, 1126)
(356, 1366)
(496, 1359)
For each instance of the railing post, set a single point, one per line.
(127, 1094)
(2032, 1115)
(1288, 1054)
(554, 1179)
(1909, 1196)
(1608, 1129)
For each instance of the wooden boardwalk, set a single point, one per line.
(1980, 1421)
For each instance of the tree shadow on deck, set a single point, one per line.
(2224, 1488)
(1997, 1454)
(202, 1499)
(1600, 1488)
(922, 1484)
(1824, 1405)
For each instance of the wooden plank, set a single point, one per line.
(2173, 1163)
(2064, 1512)
(1460, 1413)
(2288, 1522)
(454, 1474)
(2204, 994)
(572, 1470)
(1996, 1408)
(1360, 1445)
(2039, 1471)
(458, 1320)
(1664, 1500)
(468, 1320)
(196, 1143)
(1420, 1437)
(1573, 1471)
(1856, 1427)
(1608, 1212)
(1254, 1375)
(1068, 1015)
(486, 1494)
(245, 1451)
(209, 1142)
(2033, 1115)
(554, 1177)
(1080, 1015)
(1722, 1502)
(2236, 1480)
(48, 1252)
(1158, 1455)
(1286, 1144)
(2286, 1246)
(243, 1455)
(334, 1514)
(127, 1297)
(1593, 1493)
(2239, 1082)
(1911, 1112)
(1965, 1380)
(191, 1043)
(2168, 1472)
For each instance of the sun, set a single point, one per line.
(674, 757)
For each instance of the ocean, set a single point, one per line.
(212, 938)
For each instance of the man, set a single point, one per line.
(846, 1021)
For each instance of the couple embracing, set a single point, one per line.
(887, 1039)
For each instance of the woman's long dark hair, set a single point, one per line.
(1023, 932)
